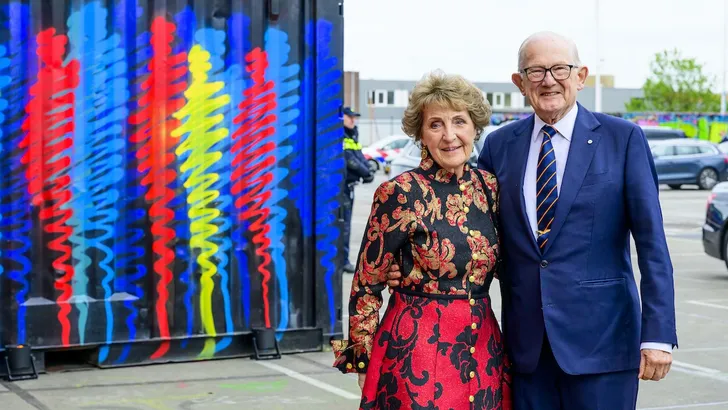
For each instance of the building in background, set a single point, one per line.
(382, 102)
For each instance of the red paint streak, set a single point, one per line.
(163, 96)
(256, 125)
(44, 140)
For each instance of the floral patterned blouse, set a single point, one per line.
(440, 230)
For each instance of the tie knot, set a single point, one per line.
(548, 130)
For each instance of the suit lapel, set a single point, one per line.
(518, 147)
(581, 152)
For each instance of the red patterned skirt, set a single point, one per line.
(437, 353)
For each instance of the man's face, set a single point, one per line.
(349, 121)
(551, 93)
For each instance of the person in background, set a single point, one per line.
(356, 169)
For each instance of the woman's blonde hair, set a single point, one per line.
(445, 90)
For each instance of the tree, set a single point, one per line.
(677, 84)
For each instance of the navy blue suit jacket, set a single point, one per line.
(582, 289)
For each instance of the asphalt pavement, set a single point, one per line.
(698, 379)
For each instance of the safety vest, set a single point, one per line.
(349, 143)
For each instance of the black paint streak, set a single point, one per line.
(25, 395)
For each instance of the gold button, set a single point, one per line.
(471, 232)
(472, 302)
(466, 209)
(475, 256)
(472, 350)
(361, 365)
(471, 279)
(349, 366)
(473, 326)
(472, 399)
(472, 375)
(462, 187)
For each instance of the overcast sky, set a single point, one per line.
(403, 39)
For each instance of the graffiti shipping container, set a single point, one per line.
(171, 175)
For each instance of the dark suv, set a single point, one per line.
(654, 133)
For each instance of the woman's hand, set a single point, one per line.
(362, 377)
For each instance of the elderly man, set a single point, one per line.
(573, 186)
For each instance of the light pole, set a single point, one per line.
(598, 75)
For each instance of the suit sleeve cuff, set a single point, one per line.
(665, 347)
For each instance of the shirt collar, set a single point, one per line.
(435, 172)
(565, 126)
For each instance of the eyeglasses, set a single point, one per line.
(559, 72)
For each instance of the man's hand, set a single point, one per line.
(654, 364)
(362, 378)
(393, 276)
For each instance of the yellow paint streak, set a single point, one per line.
(200, 105)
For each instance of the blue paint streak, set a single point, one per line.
(286, 80)
(129, 249)
(14, 198)
(98, 161)
(186, 22)
(4, 82)
(302, 165)
(329, 157)
(239, 39)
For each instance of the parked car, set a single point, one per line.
(657, 133)
(386, 148)
(715, 228)
(411, 156)
(688, 161)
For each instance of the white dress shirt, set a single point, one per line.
(560, 142)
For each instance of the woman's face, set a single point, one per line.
(449, 136)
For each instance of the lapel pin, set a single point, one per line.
(589, 142)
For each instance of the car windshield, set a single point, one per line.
(723, 147)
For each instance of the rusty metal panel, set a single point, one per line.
(171, 175)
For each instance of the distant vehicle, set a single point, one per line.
(715, 228)
(410, 156)
(688, 161)
(386, 148)
(656, 132)
(488, 129)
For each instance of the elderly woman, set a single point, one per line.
(438, 344)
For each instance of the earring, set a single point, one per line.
(423, 153)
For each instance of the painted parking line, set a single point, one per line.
(686, 406)
(707, 304)
(695, 367)
(309, 380)
(713, 376)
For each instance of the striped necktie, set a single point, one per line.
(547, 194)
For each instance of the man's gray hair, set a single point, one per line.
(547, 35)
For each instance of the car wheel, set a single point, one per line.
(675, 186)
(707, 178)
(373, 165)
